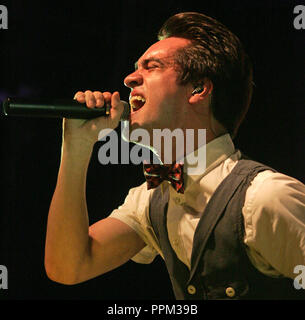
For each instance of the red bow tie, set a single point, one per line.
(156, 173)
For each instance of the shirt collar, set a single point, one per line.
(215, 152)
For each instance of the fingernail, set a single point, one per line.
(75, 97)
(118, 96)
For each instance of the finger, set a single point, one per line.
(99, 98)
(79, 97)
(117, 106)
(107, 97)
(90, 100)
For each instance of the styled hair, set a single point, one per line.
(217, 54)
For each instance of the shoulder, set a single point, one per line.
(137, 199)
(274, 202)
(139, 192)
(276, 194)
(135, 213)
(274, 219)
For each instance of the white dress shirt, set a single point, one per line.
(274, 213)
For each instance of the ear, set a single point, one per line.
(201, 92)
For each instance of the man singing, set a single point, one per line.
(235, 230)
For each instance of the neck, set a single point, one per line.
(173, 150)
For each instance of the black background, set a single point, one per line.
(53, 49)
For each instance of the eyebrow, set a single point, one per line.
(146, 61)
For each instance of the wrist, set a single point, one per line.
(77, 148)
(78, 143)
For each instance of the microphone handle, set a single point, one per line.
(57, 108)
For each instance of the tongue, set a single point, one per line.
(138, 104)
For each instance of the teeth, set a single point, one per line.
(139, 98)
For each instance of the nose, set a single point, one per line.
(134, 79)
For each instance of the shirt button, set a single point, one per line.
(230, 292)
(191, 289)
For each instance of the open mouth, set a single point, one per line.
(136, 103)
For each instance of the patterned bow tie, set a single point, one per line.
(156, 173)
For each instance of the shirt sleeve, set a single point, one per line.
(274, 214)
(134, 212)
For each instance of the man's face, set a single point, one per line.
(155, 80)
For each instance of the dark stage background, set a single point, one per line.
(53, 49)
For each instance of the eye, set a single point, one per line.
(151, 65)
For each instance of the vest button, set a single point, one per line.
(230, 292)
(191, 289)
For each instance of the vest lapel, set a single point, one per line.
(210, 218)
(177, 270)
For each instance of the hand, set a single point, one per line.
(88, 130)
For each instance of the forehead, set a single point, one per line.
(164, 48)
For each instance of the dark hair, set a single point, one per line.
(216, 53)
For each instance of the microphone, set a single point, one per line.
(58, 108)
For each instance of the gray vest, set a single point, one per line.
(220, 267)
